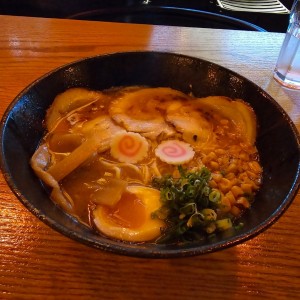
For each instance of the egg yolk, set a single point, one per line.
(129, 212)
(130, 218)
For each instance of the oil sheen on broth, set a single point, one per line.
(104, 149)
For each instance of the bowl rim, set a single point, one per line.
(122, 247)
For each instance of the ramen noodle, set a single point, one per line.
(115, 158)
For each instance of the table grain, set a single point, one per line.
(37, 262)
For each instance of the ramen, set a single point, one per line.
(149, 164)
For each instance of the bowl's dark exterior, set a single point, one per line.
(277, 141)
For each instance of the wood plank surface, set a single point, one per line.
(36, 262)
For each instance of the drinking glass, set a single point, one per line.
(287, 70)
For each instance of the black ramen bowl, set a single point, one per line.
(277, 141)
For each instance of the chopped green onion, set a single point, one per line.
(209, 214)
(189, 206)
(188, 209)
(224, 224)
(214, 196)
(239, 226)
(195, 220)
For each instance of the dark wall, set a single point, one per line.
(66, 8)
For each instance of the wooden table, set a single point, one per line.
(36, 262)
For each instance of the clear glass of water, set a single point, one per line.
(287, 70)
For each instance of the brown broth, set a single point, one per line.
(233, 162)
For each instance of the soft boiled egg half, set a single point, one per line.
(130, 218)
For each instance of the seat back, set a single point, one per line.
(163, 15)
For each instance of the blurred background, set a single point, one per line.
(269, 15)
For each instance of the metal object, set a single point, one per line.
(267, 6)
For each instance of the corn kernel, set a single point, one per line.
(247, 188)
(235, 211)
(212, 155)
(224, 121)
(251, 175)
(255, 167)
(226, 205)
(224, 185)
(232, 168)
(213, 184)
(255, 185)
(220, 151)
(237, 191)
(243, 201)
(217, 177)
(211, 228)
(224, 160)
(235, 149)
(230, 197)
(214, 165)
(230, 176)
(243, 177)
(244, 156)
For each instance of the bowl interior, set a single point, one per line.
(277, 141)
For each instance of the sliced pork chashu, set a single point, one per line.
(195, 128)
(143, 110)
